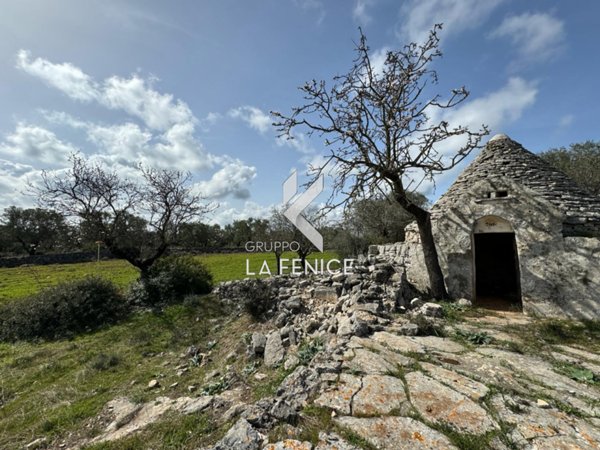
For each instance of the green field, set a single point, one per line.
(56, 389)
(26, 280)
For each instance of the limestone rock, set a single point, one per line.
(440, 404)
(379, 394)
(396, 433)
(365, 361)
(471, 388)
(289, 444)
(332, 441)
(430, 309)
(398, 343)
(339, 397)
(274, 351)
(240, 436)
(257, 344)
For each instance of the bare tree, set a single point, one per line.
(136, 221)
(280, 230)
(378, 124)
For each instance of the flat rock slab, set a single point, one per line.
(561, 443)
(438, 343)
(488, 370)
(340, 396)
(595, 368)
(531, 424)
(397, 343)
(130, 418)
(365, 361)
(442, 405)
(561, 387)
(380, 394)
(382, 350)
(396, 433)
(332, 441)
(289, 444)
(465, 385)
(581, 354)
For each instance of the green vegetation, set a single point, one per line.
(577, 372)
(63, 310)
(308, 350)
(22, 281)
(50, 389)
(537, 335)
(170, 280)
(474, 337)
(27, 280)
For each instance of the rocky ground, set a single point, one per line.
(365, 363)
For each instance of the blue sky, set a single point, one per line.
(189, 84)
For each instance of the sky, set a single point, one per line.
(189, 84)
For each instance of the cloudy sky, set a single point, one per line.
(189, 84)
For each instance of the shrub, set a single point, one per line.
(257, 297)
(62, 311)
(103, 361)
(170, 280)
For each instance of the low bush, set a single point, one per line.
(171, 280)
(258, 298)
(63, 311)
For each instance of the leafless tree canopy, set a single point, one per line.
(383, 129)
(136, 221)
(377, 123)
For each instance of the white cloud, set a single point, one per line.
(537, 36)
(66, 77)
(497, 109)
(130, 144)
(360, 11)
(299, 142)
(316, 6)
(419, 16)
(165, 138)
(232, 179)
(566, 120)
(135, 96)
(179, 148)
(256, 118)
(227, 214)
(127, 139)
(378, 58)
(33, 144)
(211, 118)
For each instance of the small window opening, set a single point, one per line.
(501, 193)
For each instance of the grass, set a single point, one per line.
(22, 281)
(537, 335)
(51, 389)
(55, 389)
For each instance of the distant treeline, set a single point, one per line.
(46, 237)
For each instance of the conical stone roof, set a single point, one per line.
(503, 157)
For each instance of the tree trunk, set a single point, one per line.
(432, 263)
(278, 259)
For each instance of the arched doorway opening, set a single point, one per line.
(496, 264)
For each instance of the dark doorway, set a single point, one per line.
(496, 271)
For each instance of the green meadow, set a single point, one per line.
(26, 280)
(57, 389)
